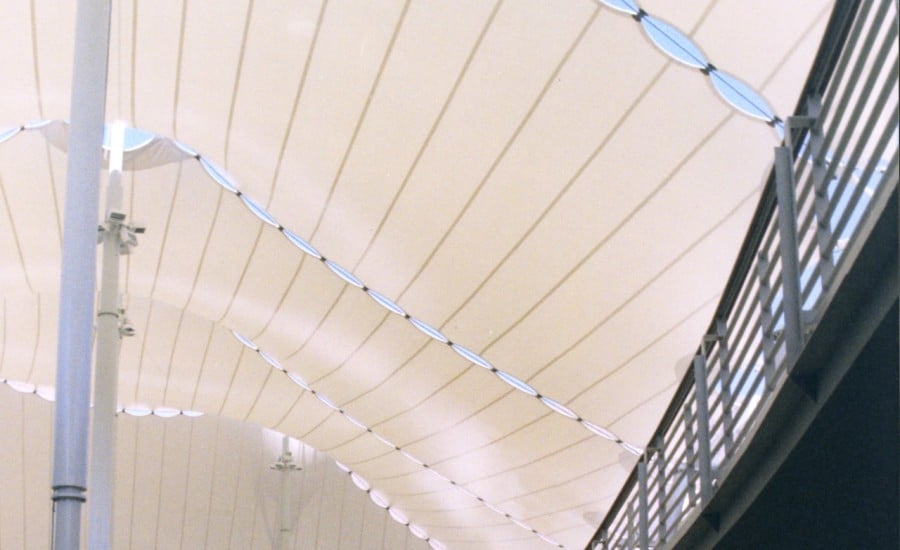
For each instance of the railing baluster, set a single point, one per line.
(689, 470)
(703, 443)
(643, 505)
(629, 527)
(659, 445)
(790, 252)
(820, 188)
(725, 384)
(765, 320)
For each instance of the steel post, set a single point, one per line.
(77, 286)
(704, 462)
(643, 506)
(790, 253)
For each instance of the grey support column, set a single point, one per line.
(76, 309)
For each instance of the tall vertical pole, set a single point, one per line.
(285, 465)
(106, 371)
(76, 309)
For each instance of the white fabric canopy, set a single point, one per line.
(536, 182)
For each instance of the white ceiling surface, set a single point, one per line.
(191, 483)
(534, 178)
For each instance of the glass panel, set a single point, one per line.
(429, 330)
(627, 6)
(259, 211)
(602, 432)
(741, 96)
(299, 381)
(218, 175)
(270, 360)
(516, 383)
(386, 303)
(8, 133)
(166, 412)
(558, 407)
(472, 357)
(673, 42)
(301, 244)
(244, 340)
(21, 387)
(137, 411)
(326, 401)
(344, 274)
(398, 516)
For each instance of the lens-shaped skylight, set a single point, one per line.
(741, 96)
(246, 341)
(411, 458)
(673, 42)
(602, 432)
(472, 357)
(7, 133)
(259, 211)
(428, 330)
(627, 6)
(436, 544)
(134, 138)
(558, 407)
(47, 393)
(399, 516)
(192, 414)
(632, 449)
(137, 411)
(342, 466)
(21, 387)
(166, 412)
(218, 175)
(301, 244)
(344, 274)
(384, 440)
(299, 381)
(355, 422)
(359, 481)
(326, 401)
(378, 499)
(386, 303)
(418, 531)
(516, 383)
(186, 149)
(270, 360)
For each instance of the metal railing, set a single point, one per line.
(839, 156)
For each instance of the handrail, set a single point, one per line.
(829, 190)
